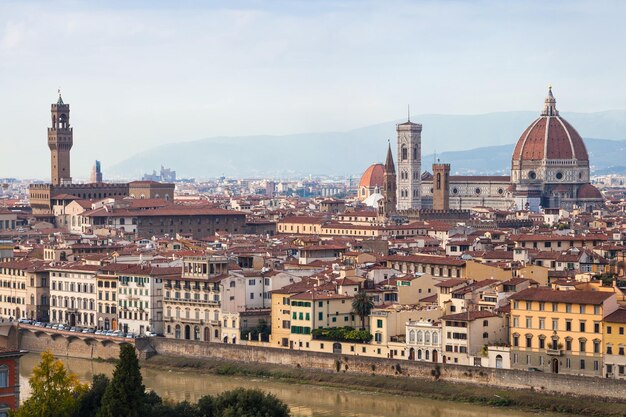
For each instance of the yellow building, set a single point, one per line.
(614, 335)
(559, 331)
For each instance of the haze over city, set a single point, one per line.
(143, 73)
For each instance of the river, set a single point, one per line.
(303, 400)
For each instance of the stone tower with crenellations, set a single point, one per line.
(60, 141)
(441, 186)
(409, 179)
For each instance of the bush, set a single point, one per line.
(342, 334)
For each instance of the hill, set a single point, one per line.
(471, 143)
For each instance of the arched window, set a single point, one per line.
(439, 181)
(435, 338)
(419, 336)
(415, 153)
(427, 355)
(404, 153)
(419, 354)
(411, 336)
(427, 338)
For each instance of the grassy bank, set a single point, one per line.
(527, 400)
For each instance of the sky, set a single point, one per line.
(138, 74)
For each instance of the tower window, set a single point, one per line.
(404, 153)
(415, 153)
(559, 175)
(477, 190)
(532, 175)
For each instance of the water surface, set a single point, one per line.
(303, 400)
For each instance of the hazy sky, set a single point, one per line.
(142, 73)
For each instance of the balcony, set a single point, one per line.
(554, 352)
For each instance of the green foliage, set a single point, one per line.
(362, 305)
(236, 403)
(90, 402)
(55, 391)
(125, 395)
(248, 403)
(342, 334)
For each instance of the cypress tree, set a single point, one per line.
(125, 395)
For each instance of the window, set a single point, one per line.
(621, 350)
(542, 323)
(528, 305)
(582, 309)
(542, 306)
(529, 322)
(529, 341)
(555, 324)
(515, 340)
(568, 325)
(609, 350)
(555, 307)
(609, 329)
(582, 326)
(582, 346)
(542, 343)
(568, 308)
(596, 327)
(379, 324)
(582, 364)
(4, 376)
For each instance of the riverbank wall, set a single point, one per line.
(94, 347)
(354, 364)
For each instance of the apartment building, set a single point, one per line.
(559, 331)
(24, 290)
(73, 294)
(193, 296)
(614, 335)
(140, 296)
(464, 335)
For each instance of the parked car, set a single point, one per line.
(150, 334)
(534, 370)
(99, 332)
(24, 321)
(131, 336)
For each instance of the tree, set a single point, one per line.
(362, 305)
(248, 403)
(125, 396)
(90, 402)
(55, 391)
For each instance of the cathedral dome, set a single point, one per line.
(550, 137)
(373, 176)
(589, 192)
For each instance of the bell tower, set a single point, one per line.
(60, 141)
(441, 186)
(409, 179)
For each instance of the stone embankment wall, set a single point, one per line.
(327, 362)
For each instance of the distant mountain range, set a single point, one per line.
(479, 144)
